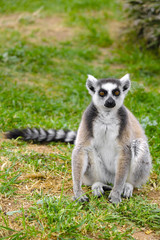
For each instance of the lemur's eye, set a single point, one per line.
(102, 93)
(116, 92)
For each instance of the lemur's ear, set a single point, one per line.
(126, 83)
(91, 84)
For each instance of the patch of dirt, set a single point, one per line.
(37, 29)
(117, 66)
(5, 162)
(154, 196)
(9, 204)
(15, 203)
(48, 182)
(140, 235)
(32, 183)
(115, 28)
(43, 149)
(149, 192)
(106, 53)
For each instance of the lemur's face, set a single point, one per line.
(108, 94)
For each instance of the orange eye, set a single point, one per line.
(117, 93)
(101, 93)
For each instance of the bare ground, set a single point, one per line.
(37, 29)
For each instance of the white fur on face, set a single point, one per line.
(109, 87)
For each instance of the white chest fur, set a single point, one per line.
(104, 144)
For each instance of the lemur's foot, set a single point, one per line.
(114, 197)
(127, 190)
(99, 188)
(81, 197)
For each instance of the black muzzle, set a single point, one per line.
(110, 103)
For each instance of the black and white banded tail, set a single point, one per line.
(42, 135)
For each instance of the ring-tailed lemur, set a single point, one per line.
(110, 146)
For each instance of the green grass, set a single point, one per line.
(42, 84)
(62, 6)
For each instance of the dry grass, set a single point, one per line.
(38, 29)
(145, 235)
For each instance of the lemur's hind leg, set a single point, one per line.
(140, 166)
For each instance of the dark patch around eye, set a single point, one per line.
(116, 92)
(102, 92)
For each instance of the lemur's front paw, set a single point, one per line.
(127, 190)
(81, 197)
(114, 197)
(99, 188)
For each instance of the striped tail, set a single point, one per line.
(41, 135)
